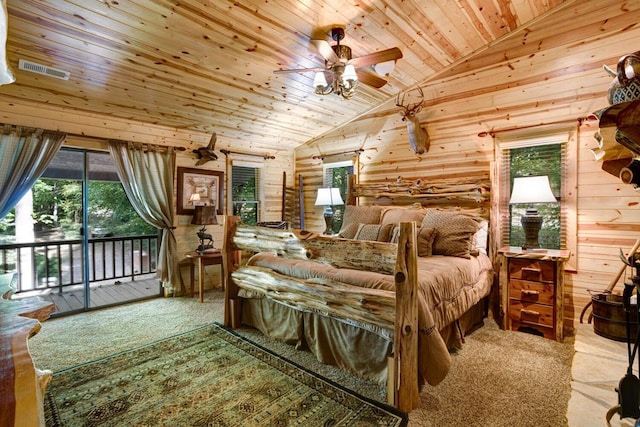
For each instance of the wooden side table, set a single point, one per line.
(206, 258)
(532, 290)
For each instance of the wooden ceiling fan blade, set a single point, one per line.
(325, 50)
(370, 79)
(376, 57)
(300, 70)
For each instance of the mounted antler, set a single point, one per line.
(418, 136)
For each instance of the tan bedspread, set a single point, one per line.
(448, 287)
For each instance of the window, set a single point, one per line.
(336, 175)
(245, 191)
(543, 151)
(537, 161)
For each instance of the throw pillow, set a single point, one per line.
(355, 215)
(375, 232)
(425, 240)
(454, 232)
(398, 215)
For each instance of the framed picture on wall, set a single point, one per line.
(199, 187)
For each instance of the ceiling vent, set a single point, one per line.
(43, 69)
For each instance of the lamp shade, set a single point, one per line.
(329, 197)
(204, 215)
(532, 189)
(319, 79)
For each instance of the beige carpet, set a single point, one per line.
(498, 379)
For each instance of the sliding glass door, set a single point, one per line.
(76, 240)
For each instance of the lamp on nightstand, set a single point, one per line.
(531, 190)
(328, 197)
(204, 215)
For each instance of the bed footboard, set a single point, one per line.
(395, 310)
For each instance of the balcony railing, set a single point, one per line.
(56, 264)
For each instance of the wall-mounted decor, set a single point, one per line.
(199, 187)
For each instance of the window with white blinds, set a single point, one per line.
(245, 192)
(535, 160)
(336, 175)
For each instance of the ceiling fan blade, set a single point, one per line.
(300, 70)
(376, 57)
(324, 49)
(370, 78)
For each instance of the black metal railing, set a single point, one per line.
(56, 264)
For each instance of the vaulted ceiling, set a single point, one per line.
(207, 65)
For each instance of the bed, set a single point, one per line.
(387, 298)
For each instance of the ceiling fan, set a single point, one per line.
(341, 72)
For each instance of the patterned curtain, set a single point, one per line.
(25, 154)
(146, 173)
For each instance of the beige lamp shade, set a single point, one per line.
(532, 189)
(329, 197)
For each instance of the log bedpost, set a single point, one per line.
(230, 259)
(404, 371)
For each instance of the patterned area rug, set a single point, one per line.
(206, 377)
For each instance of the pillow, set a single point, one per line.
(481, 238)
(397, 215)
(376, 232)
(425, 240)
(454, 232)
(355, 215)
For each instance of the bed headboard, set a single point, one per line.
(471, 192)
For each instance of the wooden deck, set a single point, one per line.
(105, 294)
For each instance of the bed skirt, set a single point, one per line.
(352, 348)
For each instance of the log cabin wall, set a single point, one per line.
(558, 80)
(91, 131)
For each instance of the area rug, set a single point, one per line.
(206, 377)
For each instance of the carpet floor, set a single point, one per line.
(499, 378)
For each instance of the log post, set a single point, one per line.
(405, 391)
(230, 260)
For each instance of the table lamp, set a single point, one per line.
(328, 197)
(204, 215)
(531, 190)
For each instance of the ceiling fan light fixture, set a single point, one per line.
(320, 84)
(349, 75)
(383, 69)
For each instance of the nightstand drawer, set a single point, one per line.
(532, 291)
(532, 269)
(536, 314)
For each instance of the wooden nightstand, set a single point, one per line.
(532, 290)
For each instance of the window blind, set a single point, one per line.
(536, 159)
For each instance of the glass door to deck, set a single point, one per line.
(76, 240)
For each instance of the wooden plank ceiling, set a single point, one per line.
(206, 65)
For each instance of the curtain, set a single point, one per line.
(147, 175)
(25, 153)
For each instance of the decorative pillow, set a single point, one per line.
(480, 239)
(355, 215)
(398, 215)
(454, 232)
(425, 240)
(375, 232)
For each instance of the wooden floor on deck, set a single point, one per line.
(101, 294)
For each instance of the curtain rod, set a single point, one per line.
(357, 152)
(264, 156)
(579, 120)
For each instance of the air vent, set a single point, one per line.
(43, 69)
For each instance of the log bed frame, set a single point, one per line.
(396, 311)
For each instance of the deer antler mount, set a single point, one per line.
(418, 136)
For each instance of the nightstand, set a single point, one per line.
(532, 290)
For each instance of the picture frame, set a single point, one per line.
(206, 183)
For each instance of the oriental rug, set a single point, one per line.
(206, 377)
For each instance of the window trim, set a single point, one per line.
(542, 135)
(247, 164)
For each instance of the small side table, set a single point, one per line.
(207, 258)
(532, 287)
